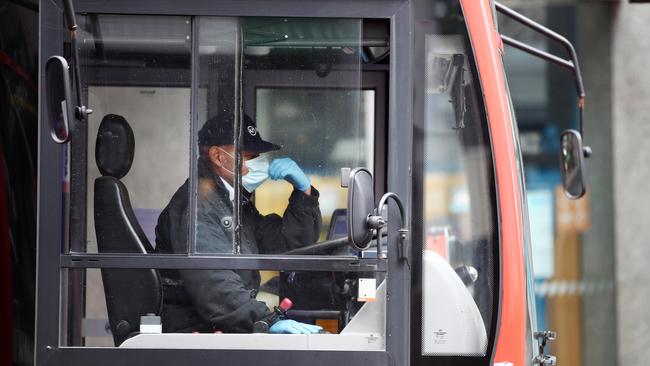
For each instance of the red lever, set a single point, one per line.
(286, 304)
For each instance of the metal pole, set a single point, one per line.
(238, 114)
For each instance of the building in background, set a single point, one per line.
(592, 269)
(545, 104)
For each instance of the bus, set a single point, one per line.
(398, 115)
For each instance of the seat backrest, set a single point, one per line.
(338, 224)
(130, 293)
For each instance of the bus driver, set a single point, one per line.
(225, 300)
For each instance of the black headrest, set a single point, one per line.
(115, 146)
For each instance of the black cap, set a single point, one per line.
(219, 131)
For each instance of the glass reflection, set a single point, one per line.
(335, 306)
(276, 148)
(459, 232)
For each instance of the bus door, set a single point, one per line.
(455, 227)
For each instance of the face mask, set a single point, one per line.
(258, 172)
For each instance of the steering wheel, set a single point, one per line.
(328, 245)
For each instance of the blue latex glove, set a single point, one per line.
(289, 326)
(288, 170)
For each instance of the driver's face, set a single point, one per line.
(224, 157)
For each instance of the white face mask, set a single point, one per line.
(258, 172)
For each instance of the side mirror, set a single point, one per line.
(58, 96)
(572, 161)
(361, 204)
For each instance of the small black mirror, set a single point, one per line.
(60, 112)
(361, 204)
(572, 164)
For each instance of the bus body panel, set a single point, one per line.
(511, 345)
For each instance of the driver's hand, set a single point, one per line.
(289, 326)
(288, 170)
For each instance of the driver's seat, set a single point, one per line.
(130, 293)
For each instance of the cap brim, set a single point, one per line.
(260, 147)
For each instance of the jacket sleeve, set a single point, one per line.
(171, 229)
(221, 299)
(299, 226)
(220, 296)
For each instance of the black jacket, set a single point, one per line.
(224, 300)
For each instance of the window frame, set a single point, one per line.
(370, 80)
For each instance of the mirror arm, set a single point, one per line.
(68, 10)
(77, 80)
(81, 111)
(548, 33)
(377, 222)
(586, 150)
(571, 64)
(546, 56)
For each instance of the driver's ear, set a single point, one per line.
(213, 154)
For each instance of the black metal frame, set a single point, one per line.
(194, 130)
(230, 261)
(52, 223)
